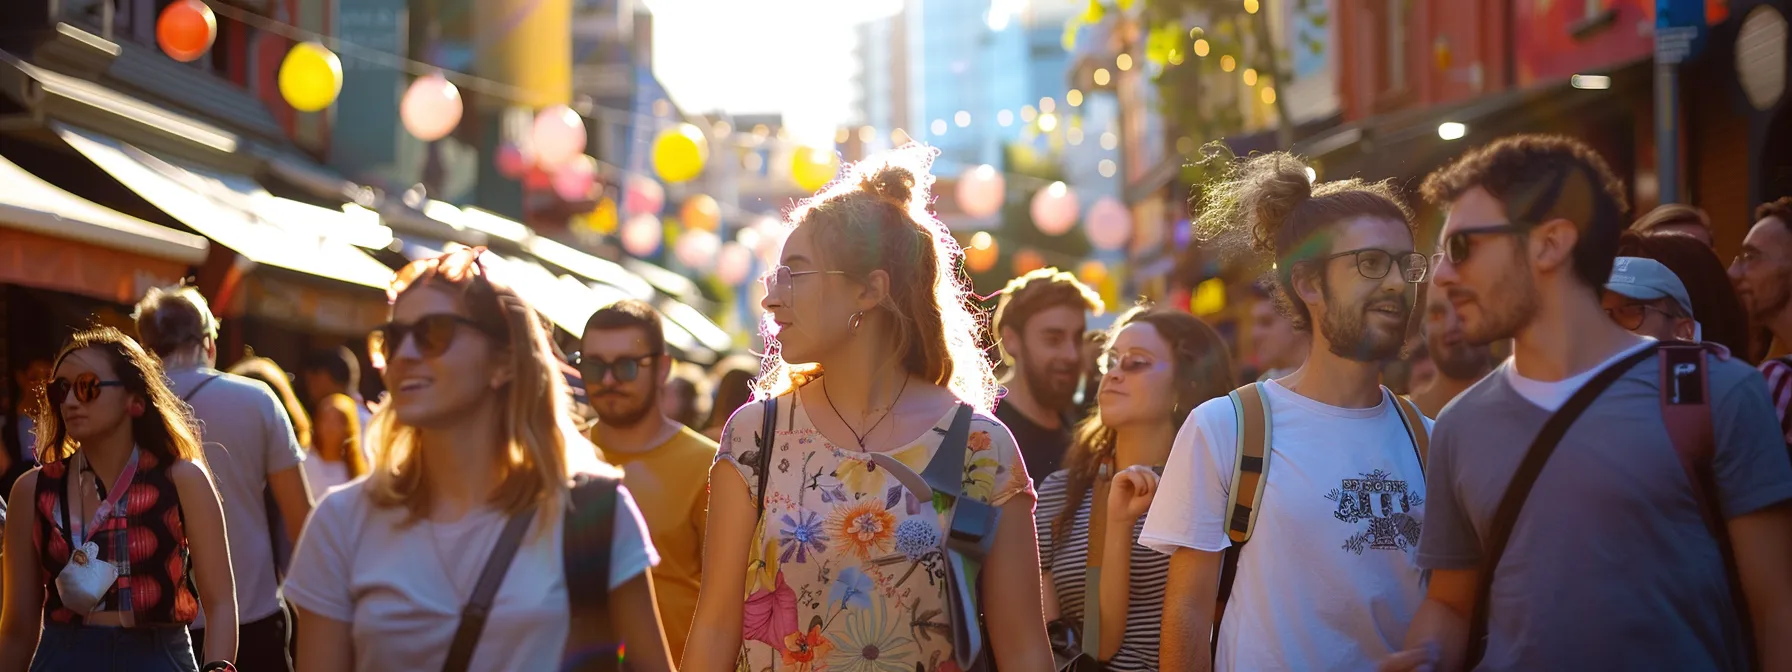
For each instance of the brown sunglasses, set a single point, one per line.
(86, 388)
(434, 334)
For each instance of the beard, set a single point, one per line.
(1504, 313)
(1462, 362)
(1769, 299)
(614, 407)
(1346, 327)
(1049, 392)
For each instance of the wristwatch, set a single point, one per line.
(218, 666)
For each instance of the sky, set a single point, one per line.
(793, 57)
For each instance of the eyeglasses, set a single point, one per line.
(1630, 315)
(1374, 263)
(1456, 246)
(434, 334)
(86, 388)
(1130, 364)
(779, 282)
(626, 370)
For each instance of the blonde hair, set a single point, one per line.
(876, 218)
(544, 449)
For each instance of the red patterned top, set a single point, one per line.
(154, 580)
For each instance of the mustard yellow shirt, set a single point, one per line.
(671, 485)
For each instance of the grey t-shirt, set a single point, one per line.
(247, 436)
(1610, 565)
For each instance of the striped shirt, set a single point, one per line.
(1067, 558)
(1779, 388)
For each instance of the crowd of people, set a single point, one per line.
(1574, 411)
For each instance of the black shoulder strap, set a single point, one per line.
(188, 397)
(479, 606)
(766, 441)
(1519, 489)
(585, 559)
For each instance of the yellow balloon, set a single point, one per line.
(679, 153)
(602, 219)
(310, 77)
(814, 168)
(701, 212)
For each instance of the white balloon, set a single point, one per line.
(697, 248)
(559, 135)
(1054, 209)
(431, 108)
(981, 191)
(734, 263)
(641, 235)
(1109, 224)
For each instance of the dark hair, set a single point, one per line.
(1035, 292)
(169, 319)
(733, 391)
(338, 363)
(1671, 214)
(1538, 178)
(1202, 369)
(166, 429)
(1714, 303)
(1780, 209)
(1269, 203)
(631, 314)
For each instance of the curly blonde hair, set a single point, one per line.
(875, 218)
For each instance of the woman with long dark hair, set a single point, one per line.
(1158, 365)
(121, 461)
(1714, 303)
(825, 532)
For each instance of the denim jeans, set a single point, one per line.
(94, 648)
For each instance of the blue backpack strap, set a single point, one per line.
(971, 531)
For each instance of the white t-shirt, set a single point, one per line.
(1550, 396)
(401, 589)
(1328, 580)
(325, 475)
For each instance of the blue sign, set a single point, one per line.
(1679, 30)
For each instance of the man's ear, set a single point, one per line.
(1551, 244)
(1308, 287)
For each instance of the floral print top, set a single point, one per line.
(847, 572)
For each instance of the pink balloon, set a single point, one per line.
(559, 136)
(1109, 224)
(641, 235)
(1054, 209)
(511, 162)
(734, 263)
(642, 195)
(573, 181)
(697, 248)
(431, 108)
(981, 191)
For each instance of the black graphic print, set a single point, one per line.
(1386, 505)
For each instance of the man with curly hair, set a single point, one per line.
(1609, 564)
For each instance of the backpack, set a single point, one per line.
(1250, 468)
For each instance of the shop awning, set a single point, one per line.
(229, 210)
(30, 204)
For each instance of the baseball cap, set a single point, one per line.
(1648, 280)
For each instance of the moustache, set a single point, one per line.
(1398, 305)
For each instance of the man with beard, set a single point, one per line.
(1460, 364)
(1763, 277)
(665, 464)
(1040, 320)
(1611, 562)
(1326, 581)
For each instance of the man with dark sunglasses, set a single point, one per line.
(625, 368)
(1589, 548)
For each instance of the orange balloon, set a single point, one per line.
(1026, 261)
(186, 30)
(701, 212)
(980, 260)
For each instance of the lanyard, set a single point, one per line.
(76, 535)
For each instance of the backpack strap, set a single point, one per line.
(590, 524)
(1250, 466)
(1414, 421)
(971, 527)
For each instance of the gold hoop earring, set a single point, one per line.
(853, 323)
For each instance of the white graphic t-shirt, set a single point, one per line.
(1328, 580)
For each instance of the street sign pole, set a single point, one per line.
(1679, 26)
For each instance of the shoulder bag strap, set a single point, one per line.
(188, 397)
(1250, 466)
(1414, 420)
(970, 530)
(585, 559)
(1518, 490)
(766, 442)
(1098, 523)
(479, 606)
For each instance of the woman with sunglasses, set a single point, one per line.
(121, 461)
(474, 437)
(874, 351)
(1157, 367)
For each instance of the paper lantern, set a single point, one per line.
(310, 77)
(602, 219)
(431, 108)
(1092, 272)
(642, 195)
(734, 263)
(981, 191)
(1209, 298)
(511, 162)
(186, 30)
(1109, 224)
(558, 135)
(1026, 261)
(679, 153)
(701, 212)
(573, 181)
(697, 249)
(1054, 209)
(641, 235)
(979, 260)
(814, 168)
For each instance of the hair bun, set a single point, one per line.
(892, 183)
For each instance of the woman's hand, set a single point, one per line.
(1130, 494)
